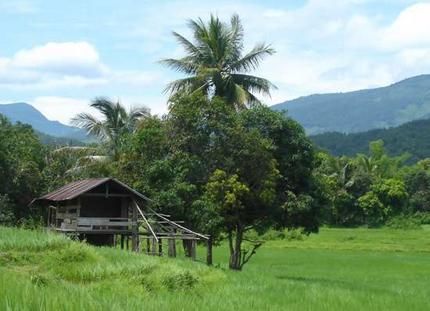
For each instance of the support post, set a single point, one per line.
(148, 245)
(135, 229)
(209, 252)
(187, 247)
(160, 247)
(172, 247)
(193, 249)
(154, 247)
(122, 241)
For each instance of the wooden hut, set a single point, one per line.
(104, 211)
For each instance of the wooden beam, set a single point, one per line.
(146, 220)
(109, 195)
(181, 227)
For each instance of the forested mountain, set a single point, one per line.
(363, 110)
(412, 137)
(26, 113)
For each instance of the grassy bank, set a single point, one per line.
(338, 269)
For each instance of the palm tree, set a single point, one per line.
(116, 123)
(215, 64)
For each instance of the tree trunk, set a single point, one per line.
(235, 244)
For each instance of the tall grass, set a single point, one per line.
(339, 269)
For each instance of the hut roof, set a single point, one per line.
(77, 188)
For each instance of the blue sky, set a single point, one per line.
(58, 55)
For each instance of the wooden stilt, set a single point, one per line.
(172, 247)
(154, 247)
(193, 249)
(209, 252)
(135, 229)
(187, 247)
(160, 247)
(122, 241)
(148, 246)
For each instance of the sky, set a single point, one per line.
(57, 55)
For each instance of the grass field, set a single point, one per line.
(337, 269)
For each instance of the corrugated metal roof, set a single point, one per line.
(76, 188)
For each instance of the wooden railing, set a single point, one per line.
(103, 224)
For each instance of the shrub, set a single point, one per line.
(294, 234)
(38, 280)
(6, 211)
(77, 252)
(180, 280)
(404, 222)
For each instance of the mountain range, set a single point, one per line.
(344, 113)
(26, 113)
(362, 110)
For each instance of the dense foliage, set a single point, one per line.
(21, 166)
(224, 171)
(412, 138)
(371, 189)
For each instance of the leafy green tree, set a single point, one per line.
(215, 63)
(228, 196)
(197, 162)
(6, 211)
(374, 211)
(379, 163)
(21, 162)
(250, 153)
(67, 164)
(392, 193)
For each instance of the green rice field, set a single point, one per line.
(337, 269)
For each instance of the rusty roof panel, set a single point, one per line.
(76, 188)
(73, 189)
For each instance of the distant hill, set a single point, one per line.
(412, 137)
(26, 113)
(363, 110)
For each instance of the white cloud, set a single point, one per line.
(53, 64)
(410, 29)
(61, 108)
(57, 65)
(68, 58)
(64, 108)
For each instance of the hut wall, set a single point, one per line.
(66, 215)
(101, 207)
